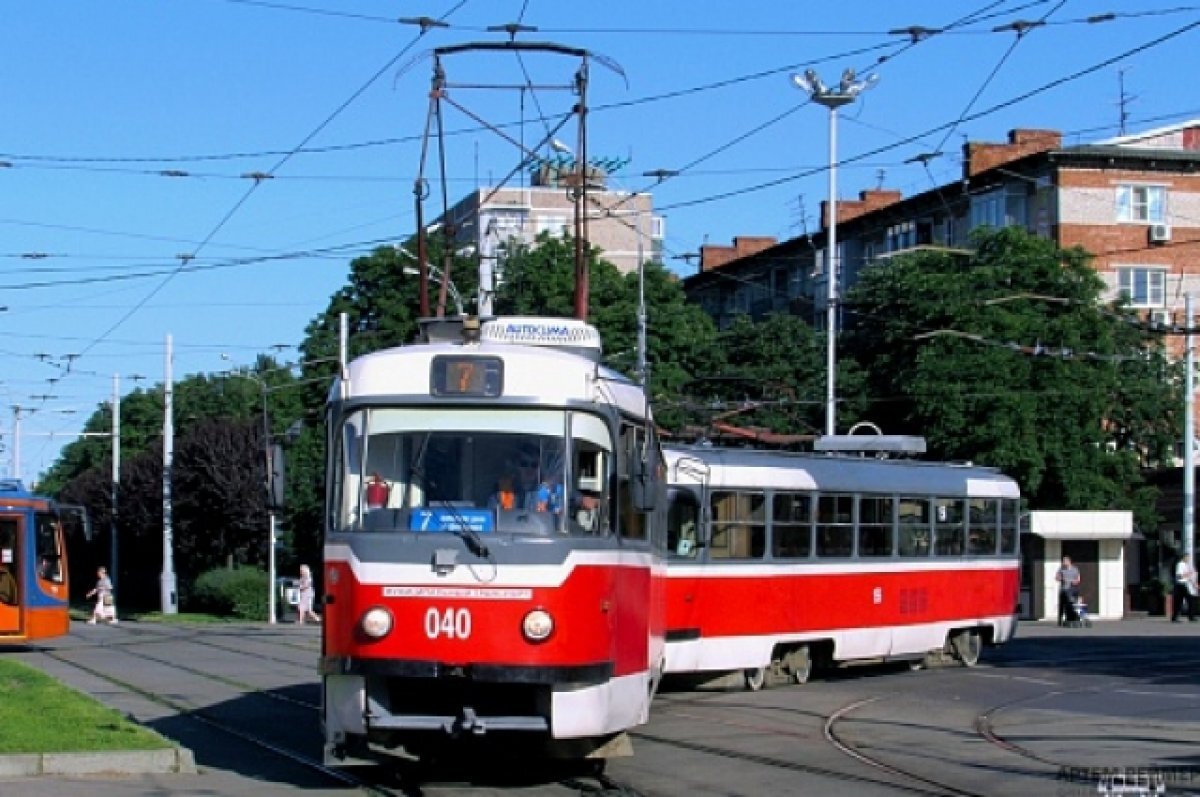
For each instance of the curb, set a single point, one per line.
(173, 760)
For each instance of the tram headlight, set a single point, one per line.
(376, 622)
(538, 625)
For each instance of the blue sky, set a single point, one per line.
(128, 128)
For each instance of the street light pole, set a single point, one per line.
(832, 98)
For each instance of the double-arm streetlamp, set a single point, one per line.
(832, 97)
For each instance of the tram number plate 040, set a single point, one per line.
(448, 623)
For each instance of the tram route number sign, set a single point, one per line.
(452, 520)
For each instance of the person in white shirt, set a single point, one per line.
(1185, 590)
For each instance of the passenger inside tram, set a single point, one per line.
(8, 587)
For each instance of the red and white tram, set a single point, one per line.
(494, 546)
(779, 561)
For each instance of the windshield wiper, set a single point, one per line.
(460, 527)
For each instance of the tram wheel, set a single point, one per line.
(967, 647)
(800, 664)
(755, 678)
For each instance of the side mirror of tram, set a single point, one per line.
(644, 488)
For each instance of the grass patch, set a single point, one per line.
(182, 618)
(40, 715)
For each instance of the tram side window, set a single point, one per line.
(983, 520)
(791, 525)
(46, 544)
(683, 523)
(948, 527)
(739, 529)
(1009, 523)
(916, 526)
(835, 525)
(875, 526)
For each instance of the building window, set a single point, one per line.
(901, 236)
(1142, 203)
(505, 224)
(987, 210)
(658, 228)
(555, 225)
(1144, 286)
(1003, 207)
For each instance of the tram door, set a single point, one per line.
(684, 543)
(10, 575)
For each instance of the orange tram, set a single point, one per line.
(33, 566)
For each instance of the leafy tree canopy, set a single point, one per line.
(1006, 356)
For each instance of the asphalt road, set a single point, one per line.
(1048, 714)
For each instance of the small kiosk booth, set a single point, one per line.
(1096, 543)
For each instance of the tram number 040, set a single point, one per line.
(449, 623)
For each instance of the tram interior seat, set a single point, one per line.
(834, 541)
(914, 541)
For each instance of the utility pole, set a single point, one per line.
(16, 457)
(116, 472)
(168, 593)
(1189, 439)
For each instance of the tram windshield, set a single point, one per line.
(440, 470)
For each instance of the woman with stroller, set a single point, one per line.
(1068, 591)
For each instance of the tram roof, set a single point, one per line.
(781, 470)
(531, 374)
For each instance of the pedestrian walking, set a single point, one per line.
(1185, 590)
(105, 609)
(306, 596)
(1068, 592)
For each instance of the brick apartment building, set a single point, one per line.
(1133, 202)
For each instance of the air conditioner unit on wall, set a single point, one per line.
(1162, 318)
(1160, 233)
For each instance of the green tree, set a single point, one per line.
(776, 369)
(219, 498)
(1007, 356)
(680, 337)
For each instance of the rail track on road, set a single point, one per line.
(216, 682)
(916, 735)
(1007, 727)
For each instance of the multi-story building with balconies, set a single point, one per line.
(1132, 202)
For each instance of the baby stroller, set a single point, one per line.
(1079, 608)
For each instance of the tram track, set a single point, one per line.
(984, 725)
(592, 784)
(985, 722)
(713, 709)
(195, 713)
